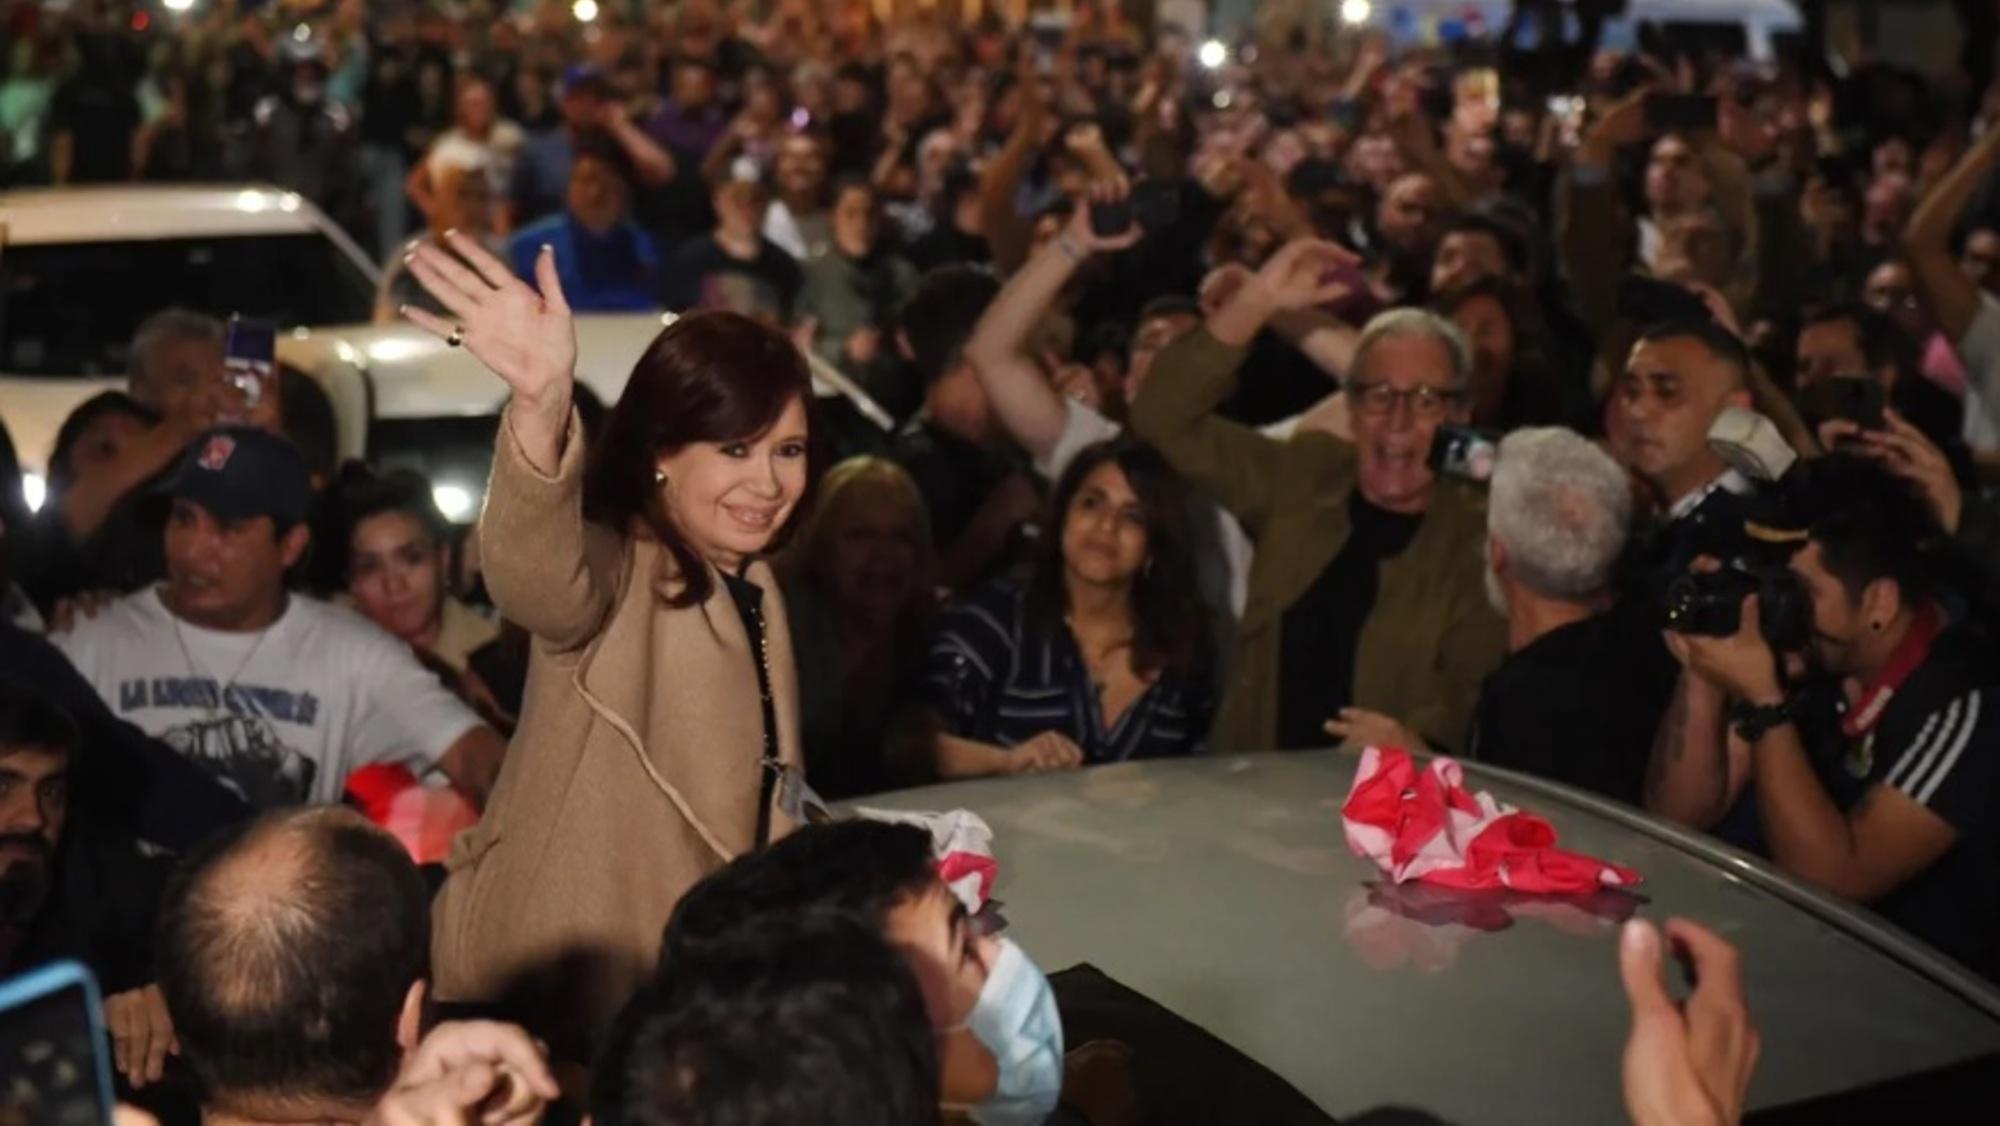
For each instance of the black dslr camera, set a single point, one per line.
(1710, 604)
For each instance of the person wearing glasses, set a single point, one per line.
(1366, 596)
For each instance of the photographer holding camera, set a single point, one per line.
(1873, 775)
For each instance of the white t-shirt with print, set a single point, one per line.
(1980, 349)
(320, 693)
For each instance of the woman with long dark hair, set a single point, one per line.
(1105, 656)
(658, 736)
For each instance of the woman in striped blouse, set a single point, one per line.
(1105, 656)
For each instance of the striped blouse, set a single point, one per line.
(991, 679)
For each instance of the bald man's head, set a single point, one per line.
(292, 953)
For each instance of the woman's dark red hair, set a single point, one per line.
(709, 377)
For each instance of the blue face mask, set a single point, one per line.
(1016, 1019)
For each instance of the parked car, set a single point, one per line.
(1222, 887)
(81, 268)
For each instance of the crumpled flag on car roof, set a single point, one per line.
(1425, 825)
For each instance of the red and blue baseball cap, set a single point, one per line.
(238, 472)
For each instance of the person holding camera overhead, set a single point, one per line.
(1882, 790)
(659, 734)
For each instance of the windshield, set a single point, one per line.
(71, 308)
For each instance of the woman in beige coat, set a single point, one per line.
(659, 729)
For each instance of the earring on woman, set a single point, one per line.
(659, 476)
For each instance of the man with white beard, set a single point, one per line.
(1584, 683)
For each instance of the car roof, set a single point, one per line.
(1222, 887)
(115, 213)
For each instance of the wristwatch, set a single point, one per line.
(1754, 721)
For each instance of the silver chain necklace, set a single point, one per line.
(198, 670)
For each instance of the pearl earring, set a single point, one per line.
(659, 476)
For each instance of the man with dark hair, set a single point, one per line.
(1885, 793)
(1851, 340)
(589, 106)
(293, 954)
(278, 694)
(734, 266)
(1680, 377)
(1476, 246)
(801, 1019)
(882, 878)
(72, 886)
(607, 262)
(975, 487)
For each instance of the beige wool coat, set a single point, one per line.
(633, 773)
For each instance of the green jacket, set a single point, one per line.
(1431, 637)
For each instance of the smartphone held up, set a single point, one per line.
(250, 363)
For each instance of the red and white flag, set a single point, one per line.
(1425, 825)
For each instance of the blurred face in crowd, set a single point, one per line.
(181, 376)
(1892, 289)
(584, 108)
(1490, 331)
(597, 196)
(227, 574)
(1104, 531)
(694, 84)
(1828, 210)
(1981, 261)
(1829, 350)
(874, 554)
(730, 498)
(1153, 334)
(1887, 206)
(763, 102)
(909, 93)
(475, 111)
(1665, 402)
(854, 221)
(1374, 161)
(1694, 247)
(1892, 158)
(1675, 181)
(740, 206)
(1409, 214)
(801, 168)
(103, 442)
(1402, 390)
(933, 933)
(34, 804)
(1464, 257)
(395, 573)
(464, 202)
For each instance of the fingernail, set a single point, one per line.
(451, 232)
(548, 248)
(402, 310)
(1638, 937)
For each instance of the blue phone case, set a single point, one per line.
(27, 988)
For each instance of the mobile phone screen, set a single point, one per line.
(250, 358)
(53, 1066)
(1463, 452)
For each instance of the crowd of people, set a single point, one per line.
(1629, 419)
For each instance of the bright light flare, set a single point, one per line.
(455, 502)
(1213, 53)
(34, 490)
(1356, 11)
(177, 5)
(584, 10)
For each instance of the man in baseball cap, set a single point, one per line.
(280, 695)
(241, 472)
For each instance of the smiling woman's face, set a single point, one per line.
(730, 498)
